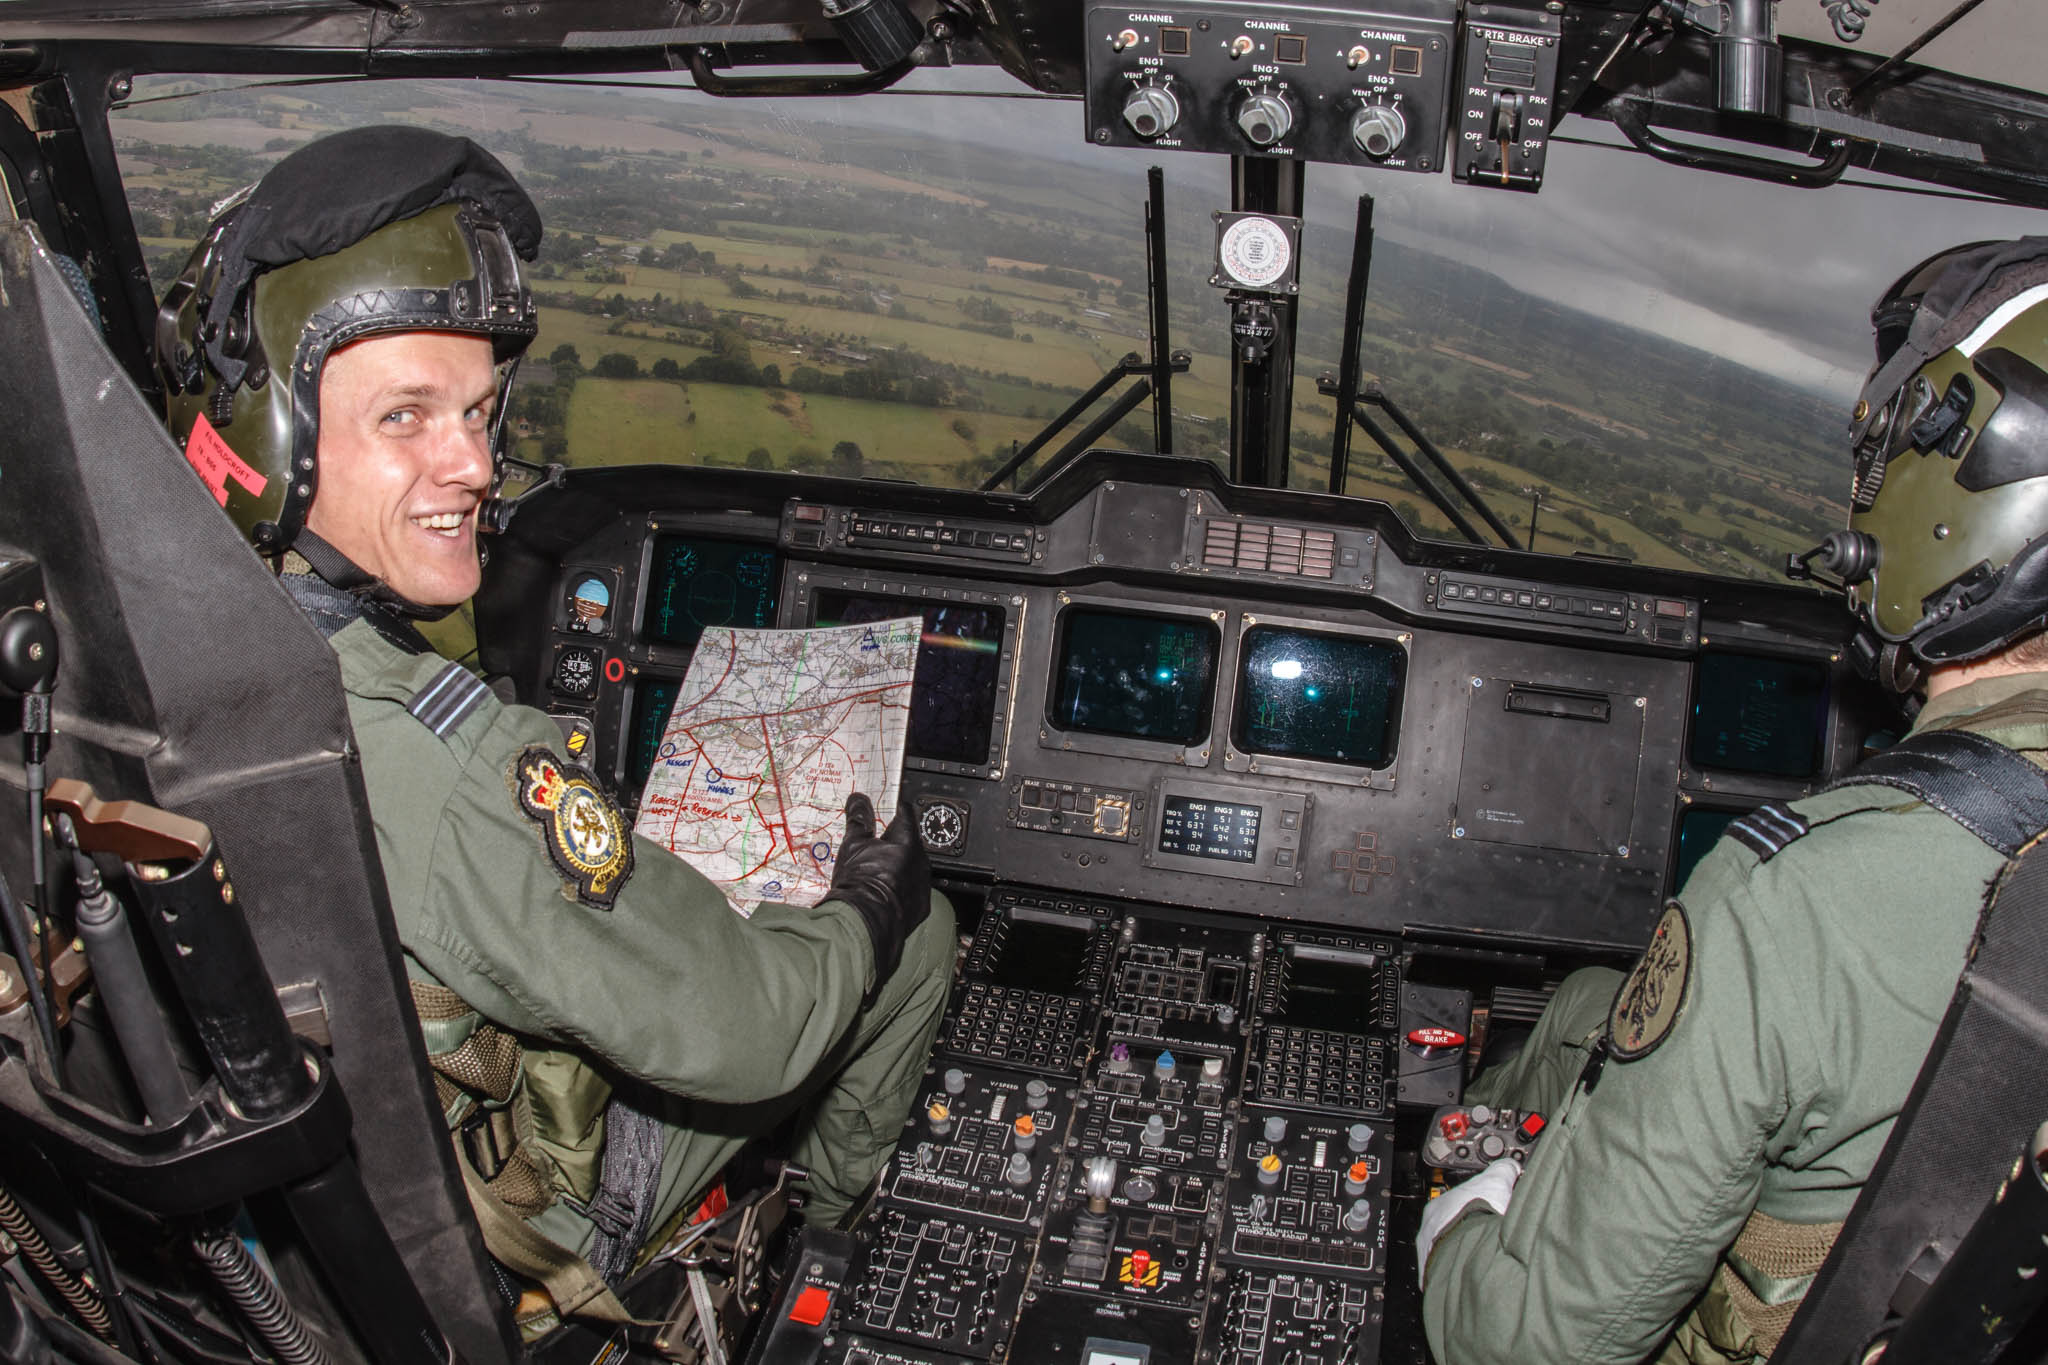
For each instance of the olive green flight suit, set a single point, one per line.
(735, 1021)
(1815, 984)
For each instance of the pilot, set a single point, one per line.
(1714, 1113)
(605, 1031)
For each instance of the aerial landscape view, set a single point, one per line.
(862, 297)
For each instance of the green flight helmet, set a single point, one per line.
(1945, 558)
(332, 246)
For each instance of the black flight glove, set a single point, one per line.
(887, 880)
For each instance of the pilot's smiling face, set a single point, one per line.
(405, 459)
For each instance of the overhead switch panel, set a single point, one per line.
(1360, 87)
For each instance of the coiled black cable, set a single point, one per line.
(257, 1298)
(73, 1290)
(1850, 17)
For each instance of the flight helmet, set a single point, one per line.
(388, 229)
(1945, 558)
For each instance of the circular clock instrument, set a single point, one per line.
(942, 826)
(576, 671)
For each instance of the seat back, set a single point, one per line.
(188, 680)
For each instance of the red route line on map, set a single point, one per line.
(879, 692)
(781, 801)
(681, 809)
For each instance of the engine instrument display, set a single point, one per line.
(959, 669)
(1760, 715)
(1136, 676)
(1329, 697)
(694, 582)
(1210, 829)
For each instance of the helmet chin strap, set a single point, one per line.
(339, 571)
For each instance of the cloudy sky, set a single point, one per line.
(1782, 278)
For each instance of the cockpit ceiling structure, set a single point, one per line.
(1964, 111)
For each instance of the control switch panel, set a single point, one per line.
(1367, 88)
(1507, 78)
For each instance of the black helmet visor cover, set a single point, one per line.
(334, 192)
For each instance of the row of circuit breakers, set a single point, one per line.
(1356, 87)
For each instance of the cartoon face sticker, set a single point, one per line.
(589, 602)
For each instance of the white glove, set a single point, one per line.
(1494, 1187)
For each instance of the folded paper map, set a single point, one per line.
(772, 730)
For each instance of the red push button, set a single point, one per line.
(811, 1306)
(1454, 1126)
(1532, 1124)
(1436, 1037)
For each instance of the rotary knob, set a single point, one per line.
(1379, 130)
(1264, 118)
(1151, 110)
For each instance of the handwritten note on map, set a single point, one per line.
(771, 732)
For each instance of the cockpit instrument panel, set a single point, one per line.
(1165, 690)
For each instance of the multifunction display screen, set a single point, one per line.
(1330, 697)
(1142, 677)
(653, 698)
(1041, 956)
(1760, 715)
(1210, 829)
(959, 669)
(694, 583)
(1329, 988)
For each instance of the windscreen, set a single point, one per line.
(1642, 361)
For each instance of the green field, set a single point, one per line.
(635, 421)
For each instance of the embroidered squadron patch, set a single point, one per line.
(580, 826)
(1647, 1006)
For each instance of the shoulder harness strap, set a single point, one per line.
(450, 697)
(1980, 784)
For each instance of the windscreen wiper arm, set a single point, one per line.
(1371, 394)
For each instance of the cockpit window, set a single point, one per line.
(1639, 362)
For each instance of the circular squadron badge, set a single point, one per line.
(585, 836)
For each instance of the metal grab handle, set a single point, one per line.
(698, 59)
(1627, 116)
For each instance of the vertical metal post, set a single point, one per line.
(1354, 323)
(1262, 394)
(1155, 280)
(1535, 506)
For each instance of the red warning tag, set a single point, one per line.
(216, 463)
